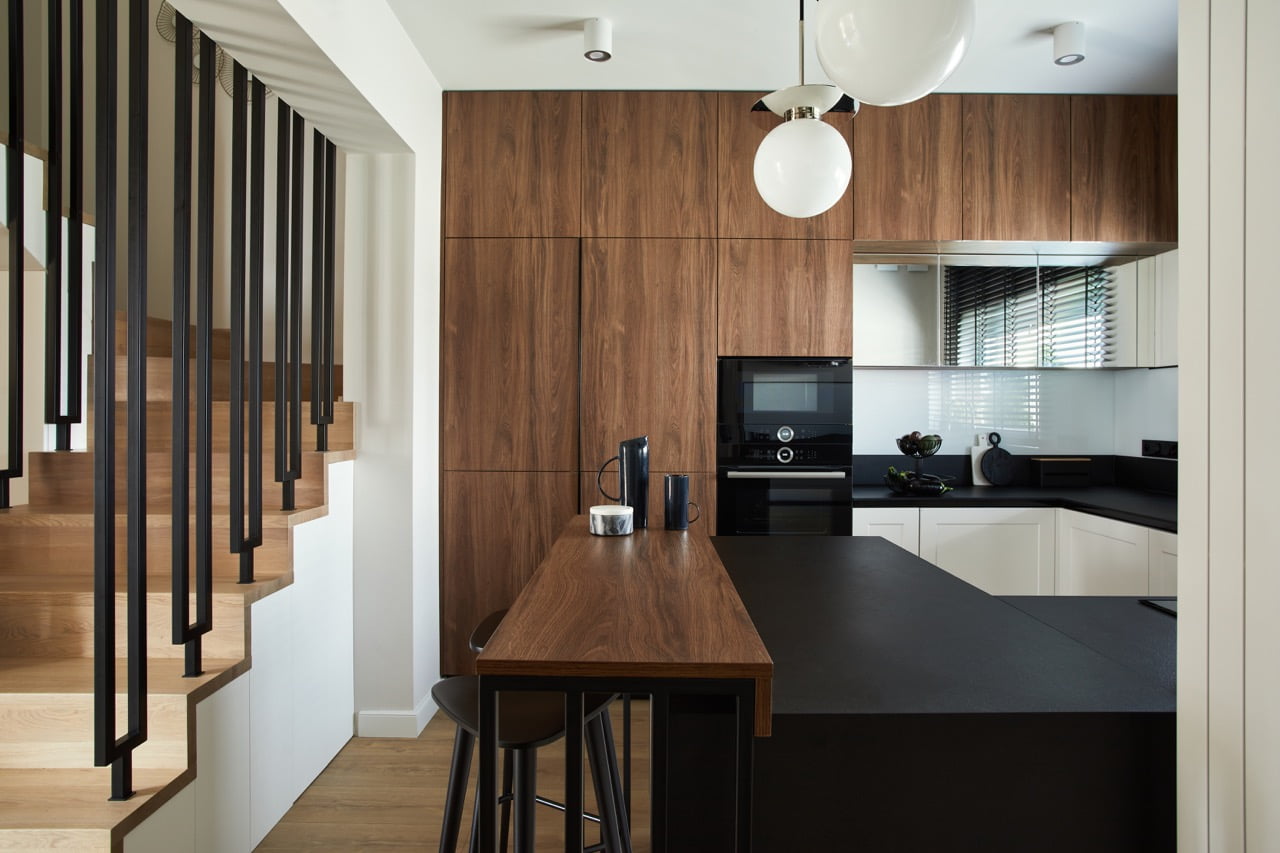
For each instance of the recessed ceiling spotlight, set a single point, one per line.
(1068, 43)
(597, 33)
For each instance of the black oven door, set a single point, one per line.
(773, 502)
(785, 391)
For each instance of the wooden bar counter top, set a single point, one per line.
(655, 604)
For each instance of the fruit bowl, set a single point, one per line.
(919, 446)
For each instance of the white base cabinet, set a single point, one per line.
(1001, 551)
(1101, 556)
(1162, 568)
(1032, 551)
(900, 525)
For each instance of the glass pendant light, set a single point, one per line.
(891, 53)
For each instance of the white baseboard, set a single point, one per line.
(396, 723)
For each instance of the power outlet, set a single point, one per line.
(1159, 449)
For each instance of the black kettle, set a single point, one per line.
(633, 478)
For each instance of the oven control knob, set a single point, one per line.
(786, 454)
(785, 434)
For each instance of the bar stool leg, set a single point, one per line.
(598, 754)
(526, 775)
(504, 831)
(459, 769)
(619, 795)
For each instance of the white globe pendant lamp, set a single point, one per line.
(803, 165)
(891, 53)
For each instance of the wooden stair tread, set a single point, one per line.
(62, 584)
(29, 516)
(76, 798)
(74, 675)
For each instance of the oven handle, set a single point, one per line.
(785, 475)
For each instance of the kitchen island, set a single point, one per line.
(912, 711)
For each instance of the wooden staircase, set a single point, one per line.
(51, 795)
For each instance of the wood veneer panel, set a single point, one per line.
(649, 164)
(786, 297)
(655, 604)
(742, 213)
(648, 351)
(512, 164)
(1124, 167)
(702, 491)
(906, 171)
(495, 529)
(1017, 167)
(510, 353)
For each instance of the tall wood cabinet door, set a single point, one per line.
(649, 164)
(510, 355)
(786, 297)
(906, 171)
(649, 351)
(743, 213)
(1124, 168)
(1017, 167)
(496, 527)
(512, 164)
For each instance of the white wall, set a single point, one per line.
(1228, 636)
(1035, 411)
(397, 375)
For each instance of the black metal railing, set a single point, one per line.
(241, 196)
(195, 194)
(324, 164)
(288, 367)
(15, 220)
(110, 748)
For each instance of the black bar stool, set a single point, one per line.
(526, 721)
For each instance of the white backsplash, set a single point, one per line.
(1035, 411)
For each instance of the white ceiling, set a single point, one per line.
(751, 45)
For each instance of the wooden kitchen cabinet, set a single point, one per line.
(785, 298)
(1002, 551)
(1162, 563)
(906, 171)
(742, 213)
(512, 164)
(649, 164)
(509, 398)
(649, 351)
(495, 529)
(1101, 556)
(900, 525)
(1124, 168)
(1017, 167)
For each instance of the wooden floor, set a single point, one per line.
(388, 794)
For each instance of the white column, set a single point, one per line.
(1228, 635)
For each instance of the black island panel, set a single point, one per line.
(914, 712)
(856, 625)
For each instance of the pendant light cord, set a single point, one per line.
(801, 42)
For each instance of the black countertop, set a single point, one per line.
(1150, 509)
(856, 625)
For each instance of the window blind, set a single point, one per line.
(1028, 316)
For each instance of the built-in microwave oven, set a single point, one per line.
(789, 391)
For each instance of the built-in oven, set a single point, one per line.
(784, 446)
(773, 501)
